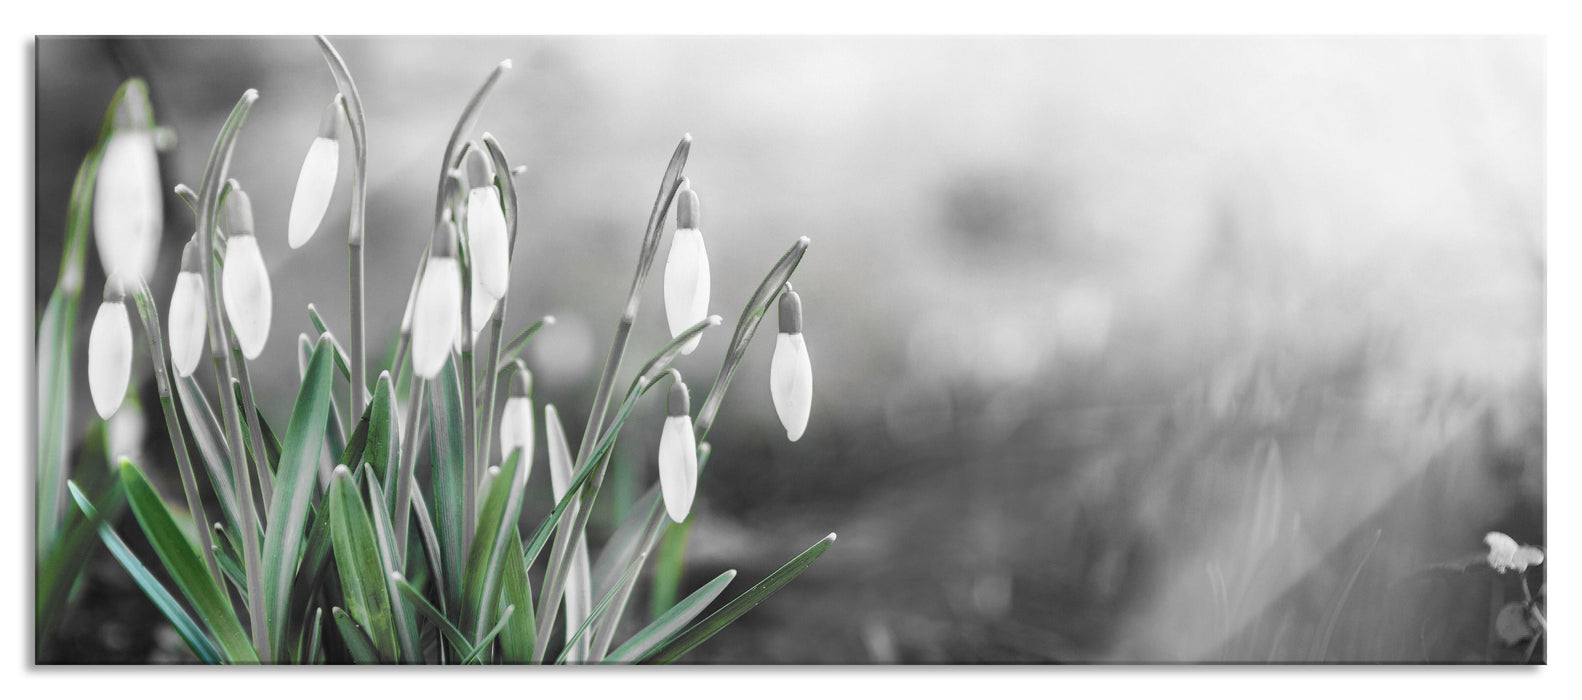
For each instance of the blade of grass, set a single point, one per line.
(497, 518)
(298, 467)
(664, 626)
(574, 641)
(488, 638)
(362, 571)
(357, 643)
(516, 589)
(185, 566)
(457, 640)
(445, 445)
(185, 626)
(711, 625)
(401, 615)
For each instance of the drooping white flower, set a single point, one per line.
(244, 283)
(435, 316)
(128, 212)
(686, 271)
(516, 423)
(110, 351)
(316, 182)
(189, 315)
(678, 454)
(790, 371)
(1505, 554)
(487, 243)
(483, 304)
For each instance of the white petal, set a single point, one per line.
(686, 284)
(559, 453)
(435, 318)
(244, 285)
(516, 431)
(188, 318)
(483, 303)
(315, 185)
(128, 216)
(486, 239)
(791, 383)
(678, 466)
(109, 358)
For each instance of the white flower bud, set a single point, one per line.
(128, 214)
(790, 371)
(486, 235)
(110, 352)
(483, 304)
(435, 317)
(686, 271)
(516, 424)
(189, 315)
(244, 284)
(678, 455)
(316, 182)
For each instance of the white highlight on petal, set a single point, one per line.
(188, 321)
(483, 303)
(678, 466)
(128, 215)
(516, 431)
(125, 432)
(435, 319)
(109, 357)
(315, 185)
(244, 285)
(486, 239)
(791, 383)
(686, 284)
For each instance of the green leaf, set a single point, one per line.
(392, 554)
(342, 362)
(185, 626)
(294, 490)
(430, 541)
(357, 643)
(496, 520)
(426, 609)
(211, 447)
(598, 612)
(363, 573)
(519, 343)
(313, 637)
(711, 625)
(445, 445)
(59, 570)
(185, 566)
(667, 571)
(663, 627)
(379, 448)
(516, 642)
(488, 638)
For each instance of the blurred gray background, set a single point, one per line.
(1124, 349)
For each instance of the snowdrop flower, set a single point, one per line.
(790, 372)
(316, 183)
(486, 237)
(516, 422)
(110, 350)
(435, 316)
(188, 313)
(483, 304)
(128, 213)
(686, 271)
(244, 283)
(678, 454)
(1506, 554)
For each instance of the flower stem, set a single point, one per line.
(352, 104)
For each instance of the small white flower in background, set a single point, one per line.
(435, 321)
(125, 431)
(686, 271)
(316, 183)
(678, 454)
(487, 244)
(1505, 554)
(128, 208)
(110, 351)
(189, 315)
(790, 371)
(516, 423)
(244, 283)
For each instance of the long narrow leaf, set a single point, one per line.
(496, 517)
(660, 630)
(516, 589)
(185, 566)
(711, 625)
(362, 571)
(405, 622)
(294, 489)
(445, 445)
(427, 610)
(356, 638)
(185, 626)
